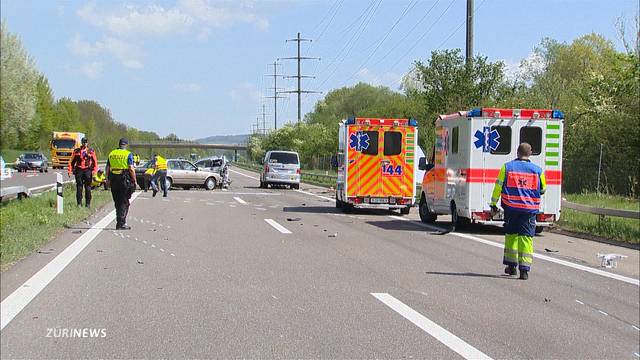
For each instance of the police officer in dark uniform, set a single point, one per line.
(122, 180)
(83, 165)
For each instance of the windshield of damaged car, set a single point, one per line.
(283, 158)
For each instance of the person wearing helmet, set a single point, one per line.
(83, 165)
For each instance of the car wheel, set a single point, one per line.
(426, 216)
(458, 221)
(46, 169)
(295, 186)
(210, 183)
(539, 230)
(169, 183)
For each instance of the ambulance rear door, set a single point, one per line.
(364, 175)
(398, 148)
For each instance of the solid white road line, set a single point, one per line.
(441, 334)
(245, 175)
(535, 255)
(316, 195)
(239, 200)
(22, 296)
(277, 226)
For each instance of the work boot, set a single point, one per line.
(510, 270)
(155, 192)
(524, 274)
(165, 195)
(123, 227)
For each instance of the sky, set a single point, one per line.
(197, 68)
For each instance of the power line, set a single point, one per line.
(275, 96)
(355, 38)
(407, 33)
(410, 6)
(299, 76)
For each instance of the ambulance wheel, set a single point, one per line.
(539, 230)
(456, 220)
(405, 210)
(425, 215)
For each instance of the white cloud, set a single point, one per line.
(389, 79)
(127, 54)
(245, 93)
(188, 87)
(92, 70)
(157, 20)
(148, 20)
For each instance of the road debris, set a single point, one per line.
(610, 261)
(294, 219)
(547, 300)
(140, 261)
(77, 232)
(333, 235)
(549, 250)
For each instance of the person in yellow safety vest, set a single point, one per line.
(160, 164)
(99, 179)
(148, 174)
(520, 184)
(122, 180)
(136, 159)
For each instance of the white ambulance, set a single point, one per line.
(471, 147)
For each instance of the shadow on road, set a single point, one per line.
(468, 274)
(397, 225)
(312, 209)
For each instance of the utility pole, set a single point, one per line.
(469, 52)
(275, 96)
(264, 122)
(299, 76)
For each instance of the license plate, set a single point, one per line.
(379, 201)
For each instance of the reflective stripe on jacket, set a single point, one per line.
(83, 158)
(520, 184)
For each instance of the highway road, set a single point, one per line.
(255, 273)
(33, 179)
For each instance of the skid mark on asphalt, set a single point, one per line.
(145, 242)
(604, 313)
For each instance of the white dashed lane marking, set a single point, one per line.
(277, 226)
(240, 201)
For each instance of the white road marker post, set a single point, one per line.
(59, 196)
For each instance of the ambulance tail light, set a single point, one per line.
(545, 218)
(480, 216)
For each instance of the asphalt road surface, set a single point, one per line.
(33, 179)
(255, 273)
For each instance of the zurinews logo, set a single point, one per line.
(76, 333)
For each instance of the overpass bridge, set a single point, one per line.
(187, 145)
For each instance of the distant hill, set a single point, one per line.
(224, 139)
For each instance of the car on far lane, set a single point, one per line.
(182, 173)
(280, 168)
(32, 161)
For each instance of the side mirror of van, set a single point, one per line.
(422, 163)
(334, 161)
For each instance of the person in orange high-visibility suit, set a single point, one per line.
(520, 184)
(83, 165)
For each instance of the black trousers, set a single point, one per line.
(121, 191)
(83, 180)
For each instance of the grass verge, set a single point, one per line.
(27, 224)
(614, 228)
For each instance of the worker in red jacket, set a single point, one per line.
(83, 165)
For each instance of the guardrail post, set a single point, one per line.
(59, 194)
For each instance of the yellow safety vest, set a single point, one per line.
(150, 171)
(161, 163)
(119, 160)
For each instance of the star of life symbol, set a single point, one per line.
(359, 141)
(487, 139)
(522, 182)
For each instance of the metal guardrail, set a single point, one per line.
(18, 191)
(629, 214)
